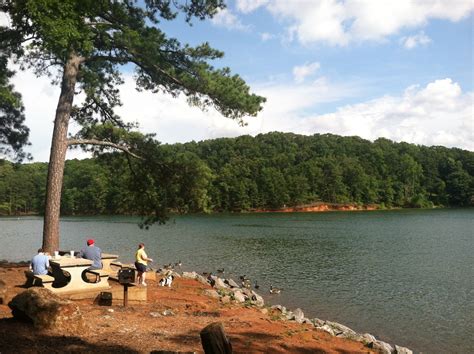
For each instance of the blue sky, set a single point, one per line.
(398, 69)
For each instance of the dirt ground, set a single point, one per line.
(150, 327)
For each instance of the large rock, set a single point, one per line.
(257, 299)
(381, 347)
(342, 331)
(47, 311)
(367, 338)
(402, 350)
(201, 279)
(298, 315)
(279, 308)
(317, 322)
(239, 296)
(189, 275)
(231, 283)
(327, 328)
(219, 284)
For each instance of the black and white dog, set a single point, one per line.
(166, 280)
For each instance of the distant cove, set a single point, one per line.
(403, 275)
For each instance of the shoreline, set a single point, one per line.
(226, 295)
(229, 288)
(322, 207)
(306, 208)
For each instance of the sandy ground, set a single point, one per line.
(147, 327)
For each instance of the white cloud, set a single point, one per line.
(340, 22)
(225, 18)
(438, 114)
(300, 73)
(40, 99)
(247, 6)
(265, 36)
(416, 40)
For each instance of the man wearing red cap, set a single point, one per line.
(93, 253)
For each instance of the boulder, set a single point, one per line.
(189, 275)
(402, 350)
(247, 292)
(327, 328)
(367, 338)
(201, 279)
(381, 347)
(279, 308)
(219, 284)
(342, 331)
(317, 322)
(231, 283)
(47, 311)
(298, 315)
(239, 296)
(257, 299)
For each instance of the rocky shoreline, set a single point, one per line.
(227, 290)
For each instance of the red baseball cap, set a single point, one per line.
(90, 242)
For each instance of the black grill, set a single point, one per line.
(126, 276)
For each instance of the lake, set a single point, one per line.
(405, 276)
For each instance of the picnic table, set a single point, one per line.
(107, 259)
(67, 274)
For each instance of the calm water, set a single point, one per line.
(405, 276)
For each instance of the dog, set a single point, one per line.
(166, 281)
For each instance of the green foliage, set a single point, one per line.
(239, 174)
(13, 133)
(105, 35)
(21, 187)
(86, 43)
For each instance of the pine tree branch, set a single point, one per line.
(102, 143)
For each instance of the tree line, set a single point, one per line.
(269, 171)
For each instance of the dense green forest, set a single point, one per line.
(268, 171)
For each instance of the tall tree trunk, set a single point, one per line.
(57, 156)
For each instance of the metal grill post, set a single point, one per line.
(125, 295)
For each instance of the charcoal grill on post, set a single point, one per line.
(126, 276)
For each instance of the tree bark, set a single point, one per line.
(214, 339)
(57, 155)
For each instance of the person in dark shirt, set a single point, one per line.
(93, 253)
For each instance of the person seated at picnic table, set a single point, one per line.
(40, 263)
(93, 253)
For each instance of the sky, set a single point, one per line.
(398, 69)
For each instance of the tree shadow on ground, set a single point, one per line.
(21, 337)
(258, 342)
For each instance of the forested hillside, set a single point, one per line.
(268, 171)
